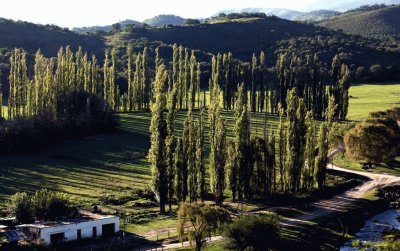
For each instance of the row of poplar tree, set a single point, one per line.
(315, 81)
(292, 159)
(281, 161)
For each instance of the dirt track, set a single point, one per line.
(323, 208)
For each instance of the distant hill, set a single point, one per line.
(345, 5)
(162, 20)
(317, 15)
(279, 12)
(48, 38)
(273, 35)
(383, 22)
(106, 27)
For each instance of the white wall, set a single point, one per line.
(71, 230)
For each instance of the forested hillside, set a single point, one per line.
(48, 38)
(381, 22)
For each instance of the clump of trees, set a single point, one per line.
(43, 205)
(373, 141)
(198, 221)
(254, 232)
(63, 98)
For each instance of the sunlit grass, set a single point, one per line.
(367, 98)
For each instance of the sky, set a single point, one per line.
(78, 13)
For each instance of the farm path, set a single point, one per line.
(322, 208)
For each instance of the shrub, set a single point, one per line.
(43, 205)
(373, 141)
(19, 205)
(255, 232)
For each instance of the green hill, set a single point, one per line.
(382, 22)
(162, 20)
(48, 38)
(106, 28)
(245, 36)
(242, 37)
(317, 15)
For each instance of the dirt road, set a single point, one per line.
(323, 208)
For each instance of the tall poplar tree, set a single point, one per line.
(242, 142)
(217, 147)
(254, 81)
(158, 132)
(200, 166)
(322, 158)
(170, 143)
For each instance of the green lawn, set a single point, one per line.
(367, 98)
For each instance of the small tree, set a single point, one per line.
(373, 141)
(254, 232)
(20, 206)
(198, 221)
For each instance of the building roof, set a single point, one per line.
(84, 217)
(15, 235)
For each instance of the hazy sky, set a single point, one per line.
(72, 13)
(76, 13)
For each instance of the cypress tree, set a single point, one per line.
(107, 79)
(263, 85)
(295, 131)
(158, 130)
(344, 83)
(178, 170)
(200, 167)
(114, 90)
(131, 86)
(254, 80)
(170, 143)
(186, 145)
(186, 78)
(217, 145)
(308, 172)
(198, 83)
(281, 148)
(182, 77)
(322, 158)
(242, 142)
(146, 84)
(232, 169)
(193, 79)
(137, 84)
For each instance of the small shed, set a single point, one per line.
(86, 226)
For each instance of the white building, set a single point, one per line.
(86, 226)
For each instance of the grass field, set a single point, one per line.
(364, 99)
(367, 98)
(116, 162)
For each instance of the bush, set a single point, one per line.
(19, 205)
(43, 205)
(254, 232)
(48, 205)
(373, 141)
